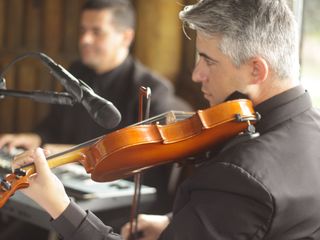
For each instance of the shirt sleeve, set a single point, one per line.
(76, 224)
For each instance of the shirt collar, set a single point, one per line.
(282, 107)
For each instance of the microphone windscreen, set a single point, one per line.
(101, 110)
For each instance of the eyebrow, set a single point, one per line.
(207, 57)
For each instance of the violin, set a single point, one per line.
(135, 148)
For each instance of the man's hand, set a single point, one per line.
(150, 226)
(22, 140)
(45, 188)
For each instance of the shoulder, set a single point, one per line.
(79, 70)
(147, 77)
(162, 90)
(75, 65)
(240, 170)
(233, 173)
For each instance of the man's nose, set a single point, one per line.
(86, 37)
(199, 73)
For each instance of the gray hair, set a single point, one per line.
(249, 28)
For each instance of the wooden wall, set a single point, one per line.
(52, 27)
(34, 25)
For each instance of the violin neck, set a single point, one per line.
(59, 159)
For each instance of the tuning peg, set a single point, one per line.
(5, 185)
(19, 172)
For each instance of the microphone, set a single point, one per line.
(100, 109)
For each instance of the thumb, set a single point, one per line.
(41, 162)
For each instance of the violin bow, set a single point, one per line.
(144, 93)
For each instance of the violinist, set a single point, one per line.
(260, 188)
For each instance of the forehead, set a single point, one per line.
(207, 43)
(96, 18)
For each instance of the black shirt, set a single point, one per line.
(73, 125)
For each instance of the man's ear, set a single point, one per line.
(259, 70)
(128, 35)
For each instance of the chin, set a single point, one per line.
(88, 58)
(212, 103)
(88, 62)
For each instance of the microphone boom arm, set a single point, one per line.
(62, 98)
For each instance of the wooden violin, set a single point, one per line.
(141, 146)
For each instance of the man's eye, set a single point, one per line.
(209, 62)
(97, 32)
(82, 30)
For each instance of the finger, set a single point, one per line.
(41, 163)
(142, 221)
(23, 142)
(47, 152)
(5, 139)
(125, 231)
(22, 159)
(13, 145)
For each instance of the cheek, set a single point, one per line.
(109, 45)
(215, 80)
(102, 43)
(220, 88)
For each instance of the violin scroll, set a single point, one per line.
(13, 182)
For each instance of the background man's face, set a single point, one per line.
(100, 42)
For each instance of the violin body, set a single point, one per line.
(132, 149)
